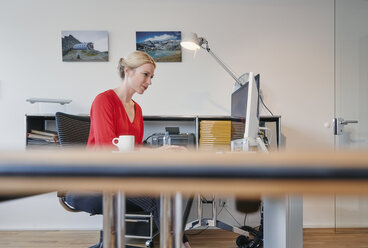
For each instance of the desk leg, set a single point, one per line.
(120, 219)
(199, 208)
(113, 220)
(178, 220)
(283, 222)
(108, 220)
(165, 219)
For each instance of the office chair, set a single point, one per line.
(74, 130)
(256, 241)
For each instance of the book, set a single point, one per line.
(53, 139)
(45, 133)
(215, 135)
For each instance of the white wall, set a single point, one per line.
(290, 42)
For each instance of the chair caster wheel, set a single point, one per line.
(149, 244)
(242, 241)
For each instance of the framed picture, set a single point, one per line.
(85, 46)
(162, 46)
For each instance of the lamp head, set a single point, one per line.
(192, 42)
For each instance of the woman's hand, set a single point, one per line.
(172, 148)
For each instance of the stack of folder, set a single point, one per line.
(237, 130)
(46, 136)
(215, 135)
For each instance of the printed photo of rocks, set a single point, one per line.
(85, 46)
(162, 46)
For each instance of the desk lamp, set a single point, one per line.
(251, 137)
(192, 42)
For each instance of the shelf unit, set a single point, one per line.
(45, 122)
(157, 124)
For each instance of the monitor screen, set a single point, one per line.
(239, 100)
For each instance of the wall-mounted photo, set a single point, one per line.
(85, 46)
(162, 46)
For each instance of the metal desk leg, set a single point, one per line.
(283, 221)
(113, 220)
(165, 219)
(214, 209)
(108, 220)
(199, 208)
(120, 219)
(178, 220)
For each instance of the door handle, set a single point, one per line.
(339, 124)
(348, 122)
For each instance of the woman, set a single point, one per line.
(115, 113)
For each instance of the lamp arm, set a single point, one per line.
(202, 42)
(225, 67)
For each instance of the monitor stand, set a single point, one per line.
(211, 222)
(248, 145)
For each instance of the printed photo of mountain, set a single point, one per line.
(80, 46)
(162, 46)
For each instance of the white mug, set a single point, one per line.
(125, 143)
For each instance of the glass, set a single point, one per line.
(239, 145)
(351, 101)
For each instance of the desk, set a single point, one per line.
(274, 175)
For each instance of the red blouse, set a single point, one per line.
(109, 120)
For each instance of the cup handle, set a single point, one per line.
(113, 141)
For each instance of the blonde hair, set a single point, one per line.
(134, 60)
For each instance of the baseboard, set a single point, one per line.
(336, 230)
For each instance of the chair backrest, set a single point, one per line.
(72, 129)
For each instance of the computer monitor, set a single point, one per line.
(245, 105)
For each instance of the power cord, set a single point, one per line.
(204, 199)
(268, 140)
(145, 141)
(260, 97)
(197, 233)
(232, 216)
(245, 218)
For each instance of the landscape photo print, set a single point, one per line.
(85, 46)
(162, 46)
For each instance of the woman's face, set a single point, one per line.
(140, 78)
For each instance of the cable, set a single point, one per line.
(204, 199)
(260, 97)
(191, 234)
(269, 134)
(220, 210)
(233, 217)
(145, 141)
(197, 233)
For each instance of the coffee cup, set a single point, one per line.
(125, 143)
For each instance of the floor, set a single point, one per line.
(326, 238)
